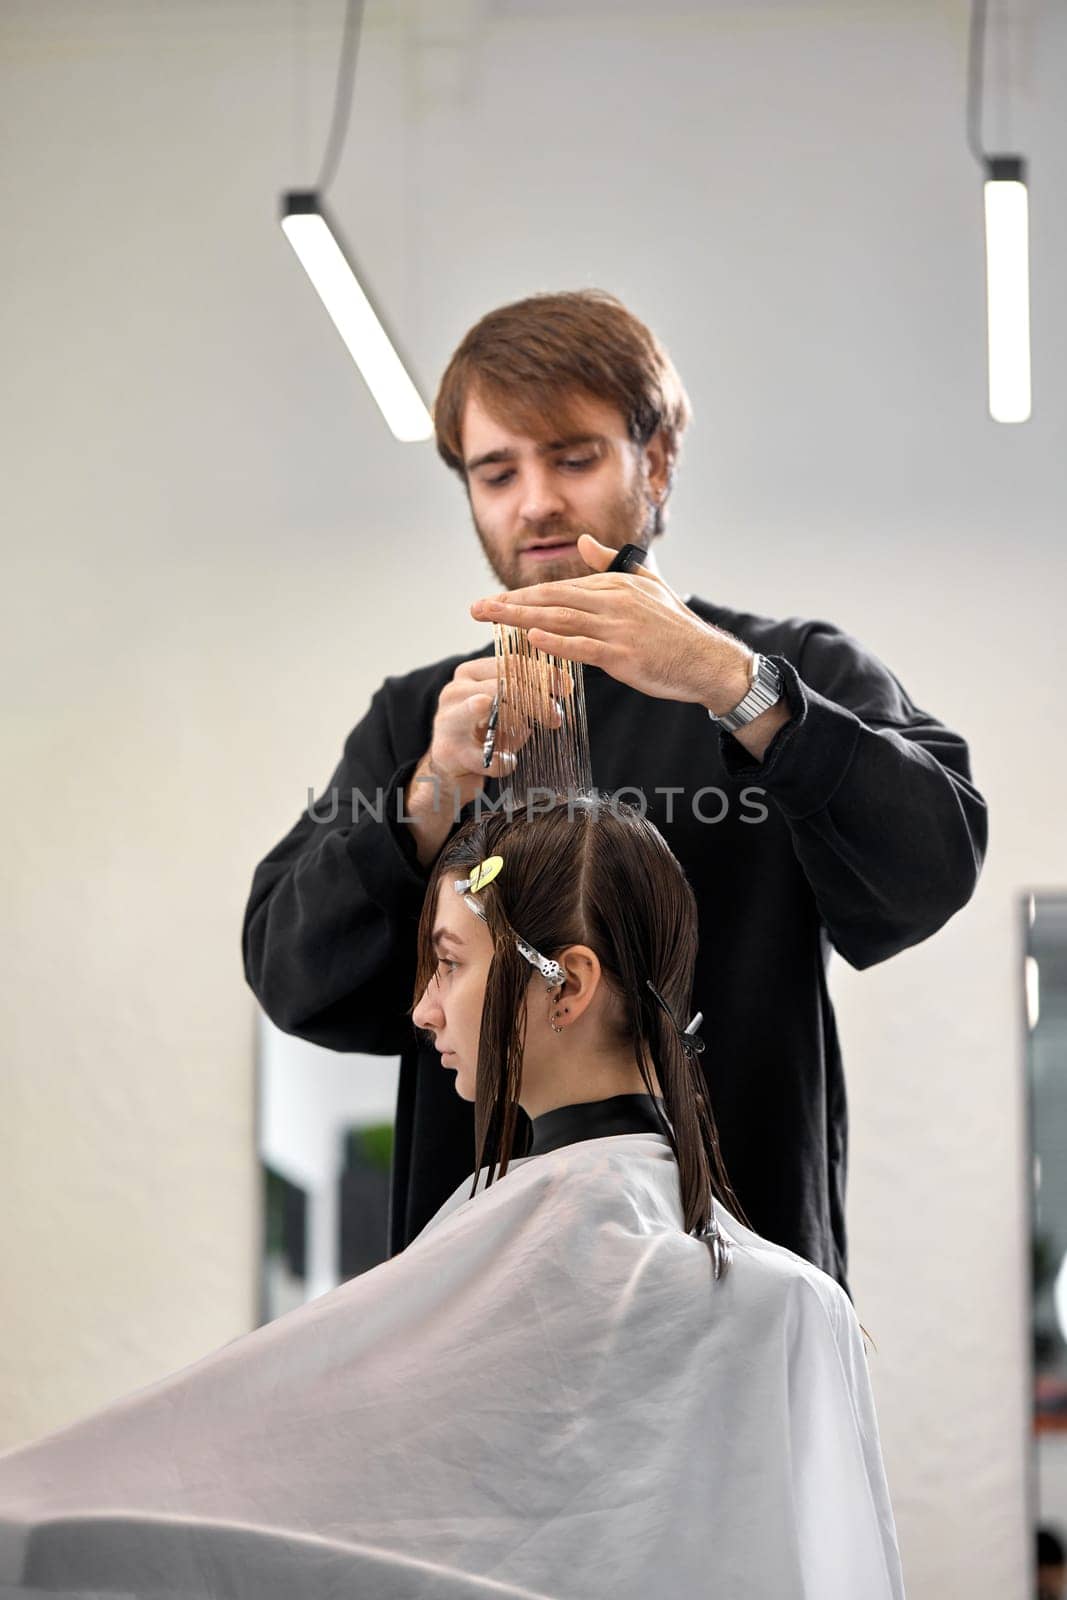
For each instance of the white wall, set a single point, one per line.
(211, 540)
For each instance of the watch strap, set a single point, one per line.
(765, 689)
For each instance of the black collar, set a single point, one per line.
(597, 1119)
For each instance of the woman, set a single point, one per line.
(586, 1376)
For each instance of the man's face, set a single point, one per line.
(547, 491)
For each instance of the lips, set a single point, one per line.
(554, 547)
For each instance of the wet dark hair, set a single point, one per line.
(583, 871)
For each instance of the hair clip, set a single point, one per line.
(484, 873)
(688, 1038)
(549, 969)
(719, 1246)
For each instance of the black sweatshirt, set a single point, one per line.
(860, 829)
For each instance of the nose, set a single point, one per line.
(541, 495)
(427, 1014)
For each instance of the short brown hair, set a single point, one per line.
(527, 359)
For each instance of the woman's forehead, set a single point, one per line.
(453, 916)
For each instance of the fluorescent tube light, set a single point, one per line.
(1008, 288)
(1033, 992)
(326, 262)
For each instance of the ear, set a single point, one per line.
(582, 977)
(657, 466)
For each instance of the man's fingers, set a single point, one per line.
(656, 577)
(561, 681)
(482, 669)
(601, 553)
(582, 594)
(464, 724)
(480, 707)
(501, 766)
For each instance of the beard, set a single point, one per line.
(628, 519)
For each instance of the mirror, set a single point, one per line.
(1045, 991)
(325, 1141)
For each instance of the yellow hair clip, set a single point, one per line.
(482, 874)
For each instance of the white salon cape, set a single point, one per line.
(547, 1394)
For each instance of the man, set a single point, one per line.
(825, 810)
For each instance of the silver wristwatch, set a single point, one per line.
(765, 688)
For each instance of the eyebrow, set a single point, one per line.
(446, 936)
(542, 449)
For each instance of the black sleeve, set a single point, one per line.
(886, 822)
(329, 931)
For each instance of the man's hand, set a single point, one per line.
(463, 705)
(450, 773)
(632, 625)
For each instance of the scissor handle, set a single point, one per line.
(629, 557)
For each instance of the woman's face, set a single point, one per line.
(451, 1004)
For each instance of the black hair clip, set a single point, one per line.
(688, 1038)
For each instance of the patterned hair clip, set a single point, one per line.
(550, 970)
(484, 873)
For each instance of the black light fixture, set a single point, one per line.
(318, 244)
